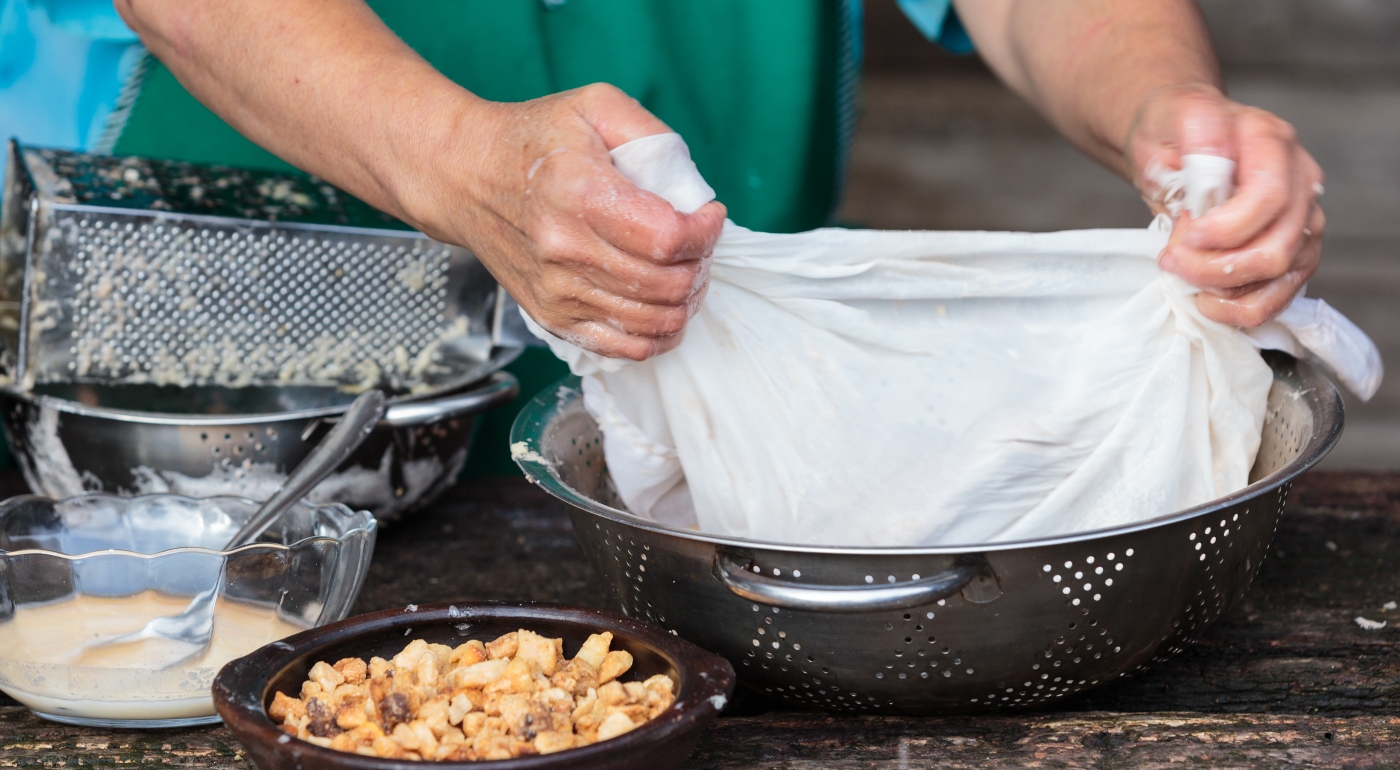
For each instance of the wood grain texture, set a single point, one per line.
(1288, 679)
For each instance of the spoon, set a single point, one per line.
(334, 449)
(195, 624)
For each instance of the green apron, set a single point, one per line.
(760, 89)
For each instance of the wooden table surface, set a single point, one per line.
(1287, 679)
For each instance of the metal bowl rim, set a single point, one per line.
(498, 362)
(367, 528)
(1320, 393)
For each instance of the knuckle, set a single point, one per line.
(602, 93)
(554, 244)
(669, 321)
(676, 286)
(668, 240)
(1268, 264)
(1275, 193)
(556, 289)
(1278, 263)
(1251, 315)
(634, 348)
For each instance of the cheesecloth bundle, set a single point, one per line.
(856, 387)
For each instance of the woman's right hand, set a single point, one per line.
(527, 186)
(530, 188)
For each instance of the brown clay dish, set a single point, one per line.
(245, 687)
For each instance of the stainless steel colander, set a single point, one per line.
(121, 271)
(930, 630)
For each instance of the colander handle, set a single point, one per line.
(739, 578)
(502, 387)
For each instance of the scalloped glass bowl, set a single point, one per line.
(86, 568)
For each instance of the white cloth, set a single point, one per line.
(901, 388)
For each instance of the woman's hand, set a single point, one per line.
(1253, 253)
(530, 188)
(1136, 85)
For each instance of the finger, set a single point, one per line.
(575, 253)
(620, 213)
(1206, 126)
(617, 117)
(608, 341)
(1265, 301)
(581, 321)
(1256, 307)
(635, 318)
(1266, 184)
(660, 234)
(640, 281)
(1275, 252)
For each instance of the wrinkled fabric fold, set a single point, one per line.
(921, 388)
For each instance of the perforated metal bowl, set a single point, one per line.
(930, 630)
(206, 441)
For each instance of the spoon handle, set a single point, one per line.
(334, 449)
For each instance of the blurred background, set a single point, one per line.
(942, 145)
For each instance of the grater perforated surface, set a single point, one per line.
(140, 271)
(162, 301)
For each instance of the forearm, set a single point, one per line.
(1089, 65)
(323, 84)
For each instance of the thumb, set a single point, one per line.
(617, 117)
(1205, 125)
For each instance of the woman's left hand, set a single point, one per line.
(1252, 254)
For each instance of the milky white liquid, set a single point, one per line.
(44, 665)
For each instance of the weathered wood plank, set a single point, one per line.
(1090, 740)
(27, 741)
(1266, 687)
(795, 741)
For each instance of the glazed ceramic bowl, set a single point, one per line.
(246, 686)
(77, 573)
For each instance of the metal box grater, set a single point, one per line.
(127, 270)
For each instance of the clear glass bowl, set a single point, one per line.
(76, 571)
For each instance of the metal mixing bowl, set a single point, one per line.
(205, 441)
(89, 568)
(945, 629)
